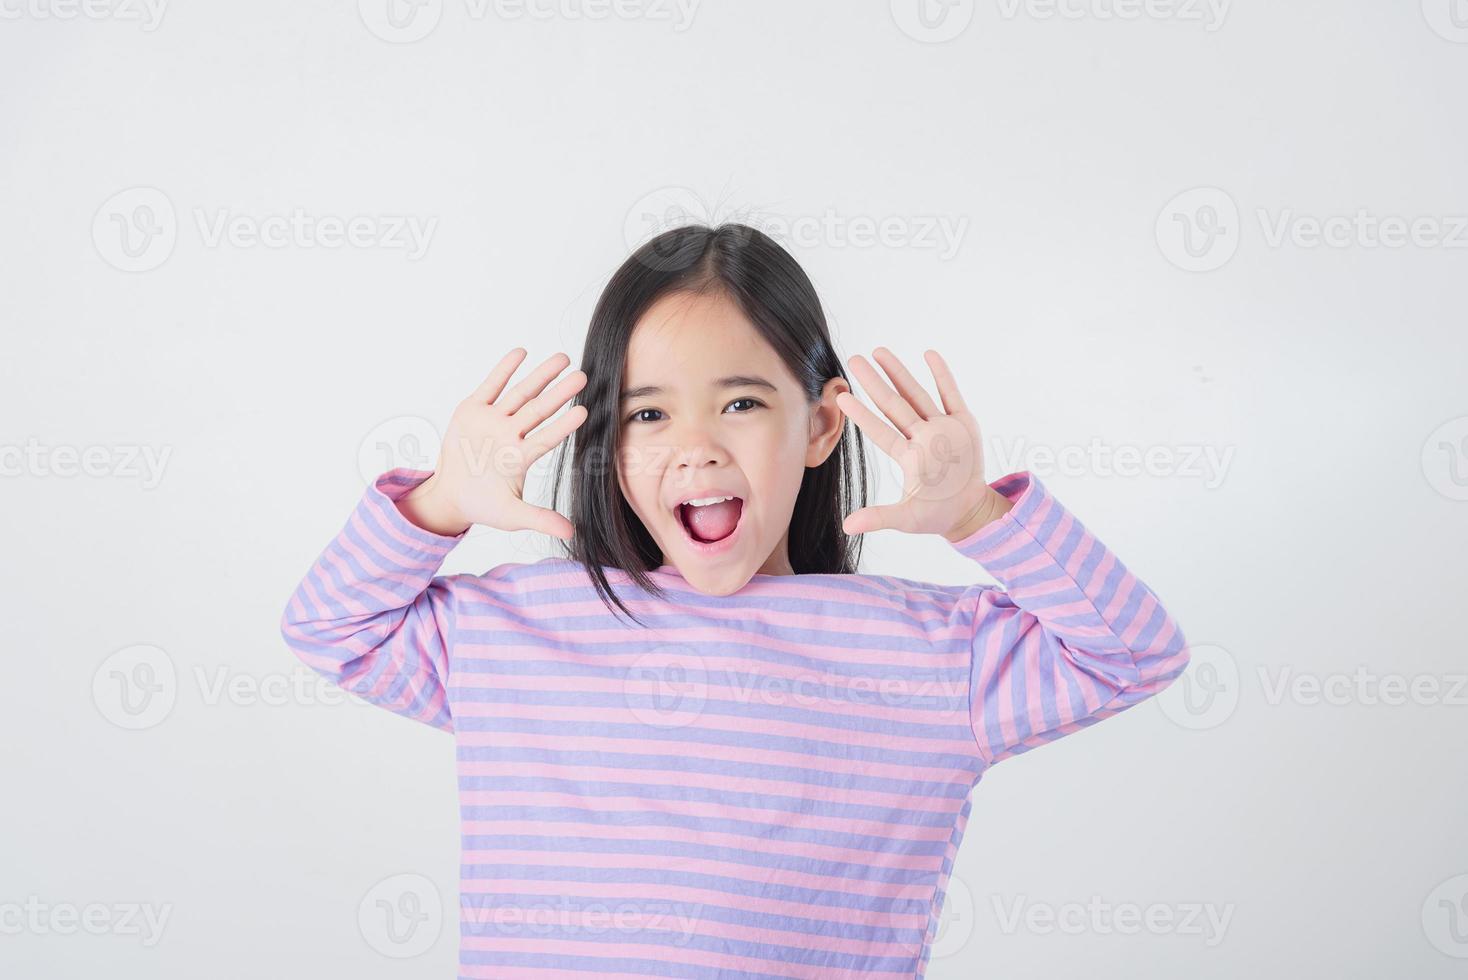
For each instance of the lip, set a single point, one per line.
(704, 492)
(711, 548)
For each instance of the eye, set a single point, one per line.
(635, 416)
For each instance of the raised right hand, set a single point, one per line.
(488, 448)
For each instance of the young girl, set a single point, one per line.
(702, 744)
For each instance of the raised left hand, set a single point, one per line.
(940, 453)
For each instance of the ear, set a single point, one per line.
(826, 423)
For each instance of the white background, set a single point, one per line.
(1327, 828)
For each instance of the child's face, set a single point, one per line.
(696, 437)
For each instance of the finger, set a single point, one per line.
(875, 518)
(543, 440)
(542, 519)
(953, 402)
(916, 395)
(544, 405)
(489, 388)
(894, 405)
(532, 385)
(888, 439)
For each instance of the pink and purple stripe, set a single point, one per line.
(769, 784)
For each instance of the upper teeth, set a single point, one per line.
(705, 501)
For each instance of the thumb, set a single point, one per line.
(876, 518)
(544, 520)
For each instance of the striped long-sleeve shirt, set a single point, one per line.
(771, 783)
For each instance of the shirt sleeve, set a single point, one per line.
(1069, 638)
(372, 616)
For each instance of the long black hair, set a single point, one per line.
(777, 296)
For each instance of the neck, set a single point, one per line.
(779, 561)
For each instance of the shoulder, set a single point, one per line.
(914, 594)
(513, 579)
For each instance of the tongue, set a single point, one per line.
(714, 521)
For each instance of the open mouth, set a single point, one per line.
(712, 520)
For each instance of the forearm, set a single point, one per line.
(1069, 637)
(372, 614)
(1052, 566)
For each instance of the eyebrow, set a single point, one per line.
(732, 381)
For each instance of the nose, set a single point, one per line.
(694, 458)
(690, 466)
(692, 450)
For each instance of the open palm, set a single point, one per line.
(492, 441)
(940, 452)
